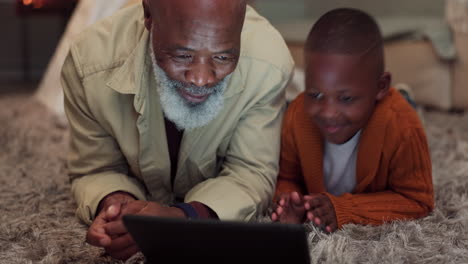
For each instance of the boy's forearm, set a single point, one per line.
(378, 208)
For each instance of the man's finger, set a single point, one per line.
(125, 254)
(97, 236)
(115, 228)
(120, 244)
(112, 212)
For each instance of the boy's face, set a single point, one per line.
(341, 93)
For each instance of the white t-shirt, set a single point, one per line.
(339, 166)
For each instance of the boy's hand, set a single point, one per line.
(289, 209)
(320, 212)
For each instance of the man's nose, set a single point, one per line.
(201, 74)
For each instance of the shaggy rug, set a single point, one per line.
(37, 222)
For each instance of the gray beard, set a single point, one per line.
(184, 114)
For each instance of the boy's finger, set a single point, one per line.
(320, 223)
(296, 199)
(317, 221)
(310, 216)
(274, 217)
(331, 221)
(313, 203)
(282, 202)
(319, 212)
(331, 226)
(308, 197)
(279, 210)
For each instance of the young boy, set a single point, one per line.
(353, 150)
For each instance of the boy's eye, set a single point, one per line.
(346, 99)
(316, 95)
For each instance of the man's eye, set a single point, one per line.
(183, 57)
(222, 58)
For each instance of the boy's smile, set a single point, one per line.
(341, 93)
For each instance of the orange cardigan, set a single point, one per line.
(393, 172)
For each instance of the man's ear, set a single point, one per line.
(147, 14)
(384, 85)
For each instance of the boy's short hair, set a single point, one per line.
(346, 31)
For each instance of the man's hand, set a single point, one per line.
(289, 209)
(108, 211)
(320, 212)
(122, 246)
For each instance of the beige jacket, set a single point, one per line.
(118, 139)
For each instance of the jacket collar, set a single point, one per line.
(127, 79)
(372, 143)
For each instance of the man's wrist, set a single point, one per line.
(204, 211)
(188, 209)
(196, 210)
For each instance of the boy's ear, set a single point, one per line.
(384, 85)
(147, 14)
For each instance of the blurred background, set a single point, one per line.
(426, 42)
(30, 32)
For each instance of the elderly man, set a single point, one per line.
(175, 110)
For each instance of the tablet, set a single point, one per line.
(175, 240)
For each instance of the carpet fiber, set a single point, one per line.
(37, 222)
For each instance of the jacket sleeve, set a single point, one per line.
(290, 178)
(410, 192)
(95, 164)
(245, 184)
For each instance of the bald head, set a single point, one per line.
(200, 6)
(169, 13)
